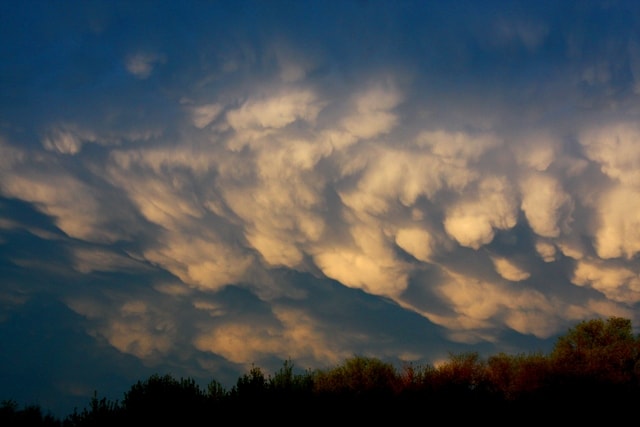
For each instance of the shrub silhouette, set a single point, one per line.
(594, 366)
(164, 399)
(30, 415)
(518, 377)
(357, 377)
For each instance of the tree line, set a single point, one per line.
(592, 371)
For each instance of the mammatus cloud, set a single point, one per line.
(509, 271)
(617, 283)
(227, 194)
(546, 205)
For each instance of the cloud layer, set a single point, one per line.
(263, 181)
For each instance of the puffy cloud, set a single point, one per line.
(416, 241)
(436, 161)
(536, 150)
(546, 250)
(472, 222)
(203, 115)
(617, 282)
(618, 230)
(358, 270)
(433, 170)
(369, 264)
(205, 261)
(141, 335)
(457, 148)
(546, 205)
(389, 175)
(281, 207)
(508, 270)
(70, 201)
(275, 111)
(477, 304)
(372, 113)
(615, 147)
(133, 327)
(294, 334)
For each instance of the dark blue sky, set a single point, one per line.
(197, 187)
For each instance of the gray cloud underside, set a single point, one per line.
(477, 174)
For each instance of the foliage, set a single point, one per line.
(101, 412)
(596, 363)
(519, 376)
(30, 415)
(164, 399)
(605, 351)
(357, 376)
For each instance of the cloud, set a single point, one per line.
(546, 205)
(508, 270)
(614, 146)
(204, 194)
(136, 327)
(295, 335)
(476, 303)
(70, 201)
(472, 222)
(616, 234)
(200, 262)
(372, 112)
(94, 259)
(275, 111)
(618, 283)
(203, 115)
(142, 64)
(546, 250)
(417, 242)
(67, 141)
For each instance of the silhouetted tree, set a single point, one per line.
(216, 392)
(250, 386)
(164, 399)
(11, 415)
(463, 374)
(286, 382)
(100, 413)
(594, 366)
(603, 351)
(358, 376)
(518, 377)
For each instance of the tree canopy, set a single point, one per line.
(595, 364)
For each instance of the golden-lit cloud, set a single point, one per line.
(508, 270)
(618, 232)
(295, 334)
(546, 205)
(617, 282)
(415, 241)
(134, 327)
(275, 111)
(218, 194)
(615, 148)
(203, 115)
(200, 261)
(473, 222)
(372, 113)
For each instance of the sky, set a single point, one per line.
(199, 187)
